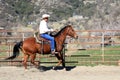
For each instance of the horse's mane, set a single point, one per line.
(61, 30)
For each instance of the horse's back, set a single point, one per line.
(30, 41)
(29, 44)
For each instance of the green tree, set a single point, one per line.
(23, 8)
(19, 9)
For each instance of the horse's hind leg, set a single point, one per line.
(33, 56)
(25, 60)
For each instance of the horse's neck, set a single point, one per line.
(61, 37)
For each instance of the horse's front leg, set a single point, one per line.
(59, 57)
(58, 64)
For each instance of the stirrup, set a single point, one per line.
(54, 52)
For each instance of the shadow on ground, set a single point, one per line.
(67, 68)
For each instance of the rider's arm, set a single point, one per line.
(43, 28)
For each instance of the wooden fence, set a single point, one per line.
(93, 47)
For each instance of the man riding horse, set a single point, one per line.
(43, 30)
(30, 47)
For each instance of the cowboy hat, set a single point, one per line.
(45, 16)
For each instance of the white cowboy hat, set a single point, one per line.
(45, 16)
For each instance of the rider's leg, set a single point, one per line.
(52, 41)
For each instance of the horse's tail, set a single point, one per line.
(16, 51)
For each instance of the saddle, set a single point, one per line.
(40, 39)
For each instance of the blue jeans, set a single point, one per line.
(52, 42)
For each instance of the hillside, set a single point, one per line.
(83, 14)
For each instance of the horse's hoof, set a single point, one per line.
(53, 68)
(26, 70)
(37, 67)
(64, 69)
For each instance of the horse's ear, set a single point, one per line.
(69, 25)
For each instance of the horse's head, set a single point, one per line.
(71, 32)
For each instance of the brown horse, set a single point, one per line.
(30, 47)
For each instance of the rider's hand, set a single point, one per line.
(51, 30)
(56, 30)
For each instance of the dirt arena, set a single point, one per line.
(72, 73)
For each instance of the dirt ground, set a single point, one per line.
(73, 73)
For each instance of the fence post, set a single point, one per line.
(103, 47)
(10, 49)
(23, 36)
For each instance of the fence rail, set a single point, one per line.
(92, 47)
